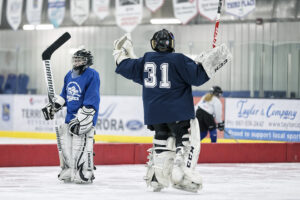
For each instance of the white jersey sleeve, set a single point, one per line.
(213, 107)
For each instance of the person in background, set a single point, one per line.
(209, 114)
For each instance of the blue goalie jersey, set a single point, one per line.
(166, 79)
(81, 91)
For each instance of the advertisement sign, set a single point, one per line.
(121, 115)
(56, 11)
(208, 8)
(34, 11)
(118, 115)
(129, 14)
(185, 10)
(28, 116)
(101, 8)
(154, 5)
(6, 110)
(263, 119)
(239, 8)
(14, 13)
(80, 10)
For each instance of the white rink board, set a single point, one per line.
(263, 119)
(118, 115)
(275, 181)
(122, 115)
(27, 115)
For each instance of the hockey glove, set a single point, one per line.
(214, 59)
(123, 49)
(221, 126)
(83, 122)
(48, 112)
(118, 44)
(50, 109)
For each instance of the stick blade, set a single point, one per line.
(55, 45)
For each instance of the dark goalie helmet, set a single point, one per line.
(216, 90)
(163, 41)
(81, 60)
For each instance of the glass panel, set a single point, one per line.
(259, 69)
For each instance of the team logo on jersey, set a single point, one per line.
(73, 91)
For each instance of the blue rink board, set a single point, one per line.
(273, 135)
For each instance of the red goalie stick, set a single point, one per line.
(46, 56)
(216, 33)
(217, 23)
(214, 45)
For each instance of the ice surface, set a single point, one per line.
(276, 181)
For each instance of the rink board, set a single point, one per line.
(263, 119)
(14, 155)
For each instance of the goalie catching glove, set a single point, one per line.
(83, 122)
(123, 49)
(51, 108)
(214, 59)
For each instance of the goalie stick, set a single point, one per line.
(217, 23)
(217, 31)
(230, 135)
(46, 56)
(214, 45)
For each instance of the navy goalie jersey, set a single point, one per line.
(166, 80)
(81, 91)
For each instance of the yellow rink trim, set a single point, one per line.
(113, 138)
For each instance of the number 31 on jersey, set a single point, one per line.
(151, 81)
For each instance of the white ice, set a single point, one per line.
(276, 181)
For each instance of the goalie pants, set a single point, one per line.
(175, 129)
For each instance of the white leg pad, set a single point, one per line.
(83, 162)
(65, 140)
(160, 165)
(184, 176)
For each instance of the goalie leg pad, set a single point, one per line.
(160, 164)
(64, 139)
(82, 154)
(184, 176)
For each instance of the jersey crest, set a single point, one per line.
(73, 91)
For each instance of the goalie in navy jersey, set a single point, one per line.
(80, 94)
(167, 78)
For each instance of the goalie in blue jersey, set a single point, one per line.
(167, 78)
(80, 94)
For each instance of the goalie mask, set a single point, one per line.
(163, 41)
(216, 90)
(81, 60)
